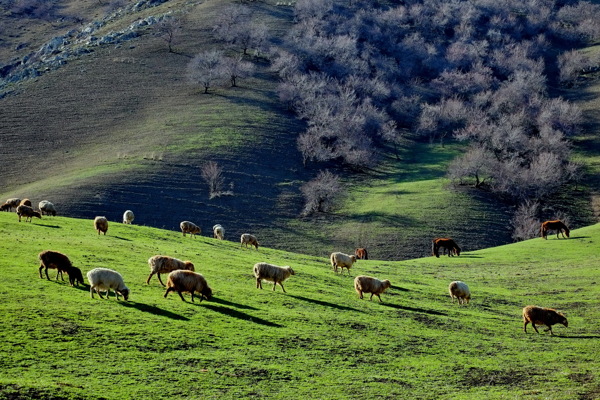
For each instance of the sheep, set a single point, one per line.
(54, 260)
(368, 284)
(272, 273)
(106, 279)
(128, 217)
(189, 227)
(342, 261)
(47, 208)
(28, 213)
(361, 253)
(5, 207)
(460, 291)
(101, 225)
(218, 232)
(25, 202)
(188, 281)
(248, 239)
(164, 264)
(13, 202)
(543, 316)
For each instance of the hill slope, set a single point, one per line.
(317, 341)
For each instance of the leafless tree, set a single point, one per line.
(168, 29)
(212, 174)
(525, 223)
(206, 69)
(236, 68)
(321, 193)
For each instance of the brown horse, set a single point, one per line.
(361, 253)
(556, 225)
(447, 244)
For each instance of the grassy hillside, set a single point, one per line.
(317, 341)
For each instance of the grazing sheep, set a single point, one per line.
(248, 239)
(188, 281)
(189, 227)
(54, 260)
(272, 273)
(342, 261)
(28, 213)
(47, 208)
(101, 224)
(218, 232)
(26, 202)
(5, 207)
(128, 217)
(13, 202)
(361, 254)
(368, 284)
(542, 316)
(106, 279)
(164, 264)
(460, 291)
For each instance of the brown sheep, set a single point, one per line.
(361, 253)
(25, 202)
(188, 281)
(13, 202)
(5, 207)
(101, 225)
(54, 260)
(542, 316)
(189, 227)
(248, 239)
(164, 264)
(28, 213)
(367, 284)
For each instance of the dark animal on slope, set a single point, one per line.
(556, 225)
(54, 260)
(361, 253)
(542, 316)
(445, 243)
(28, 213)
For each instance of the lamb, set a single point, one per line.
(543, 316)
(460, 291)
(164, 264)
(342, 261)
(128, 217)
(47, 208)
(248, 239)
(189, 227)
(272, 273)
(101, 225)
(54, 260)
(188, 281)
(25, 202)
(13, 202)
(27, 212)
(106, 279)
(218, 232)
(368, 284)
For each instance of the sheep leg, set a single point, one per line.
(192, 293)
(525, 326)
(181, 295)
(258, 283)
(167, 292)
(360, 294)
(280, 284)
(549, 329)
(379, 298)
(160, 280)
(61, 275)
(149, 276)
(536, 330)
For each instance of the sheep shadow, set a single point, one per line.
(122, 238)
(232, 304)
(578, 336)
(49, 226)
(153, 310)
(243, 316)
(399, 288)
(413, 309)
(324, 303)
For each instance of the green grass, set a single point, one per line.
(317, 341)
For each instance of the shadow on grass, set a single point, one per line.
(229, 303)
(578, 336)
(48, 226)
(420, 310)
(324, 303)
(122, 238)
(399, 288)
(153, 310)
(580, 237)
(469, 256)
(240, 315)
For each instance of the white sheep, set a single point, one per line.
(188, 281)
(106, 279)
(164, 264)
(342, 261)
(13, 202)
(272, 273)
(128, 217)
(218, 232)
(189, 227)
(368, 284)
(47, 208)
(248, 239)
(27, 212)
(460, 291)
(101, 224)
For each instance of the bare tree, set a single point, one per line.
(168, 29)
(212, 174)
(321, 193)
(236, 68)
(206, 69)
(525, 223)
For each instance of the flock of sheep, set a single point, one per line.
(183, 278)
